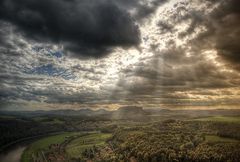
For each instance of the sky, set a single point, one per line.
(74, 54)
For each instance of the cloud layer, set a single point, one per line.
(151, 53)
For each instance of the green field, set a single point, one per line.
(77, 146)
(48, 120)
(43, 144)
(217, 139)
(7, 117)
(230, 119)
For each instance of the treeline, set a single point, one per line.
(15, 129)
(229, 130)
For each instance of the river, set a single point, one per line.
(13, 154)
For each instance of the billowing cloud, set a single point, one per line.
(227, 31)
(222, 30)
(195, 61)
(86, 28)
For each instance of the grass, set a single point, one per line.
(49, 120)
(217, 139)
(75, 148)
(230, 119)
(43, 144)
(7, 117)
(55, 121)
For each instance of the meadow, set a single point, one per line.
(217, 139)
(76, 147)
(43, 144)
(230, 119)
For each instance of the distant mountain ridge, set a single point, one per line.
(125, 112)
(129, 112)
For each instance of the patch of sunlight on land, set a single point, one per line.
(230, 119)
(217, 139)
(44, 143)
(75, 148)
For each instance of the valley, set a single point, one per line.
(142, 136)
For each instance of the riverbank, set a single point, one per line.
(23, 140)
(13, 155)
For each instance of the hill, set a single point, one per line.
(130, 112)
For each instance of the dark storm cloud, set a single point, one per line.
(222, 30)
(89, 28)
(228, 25)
